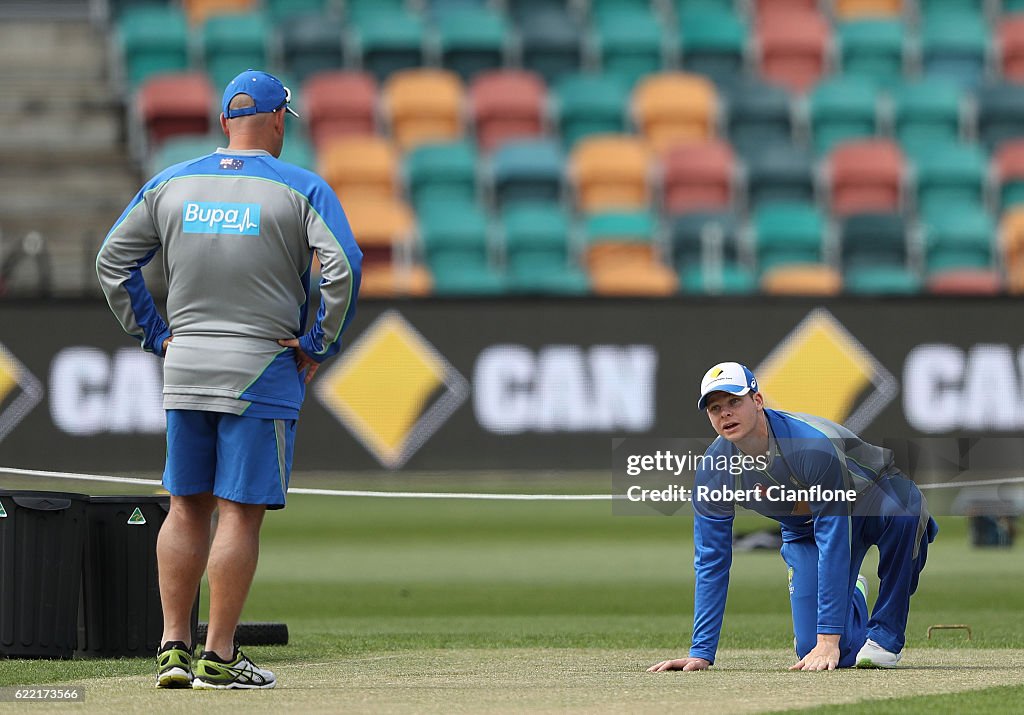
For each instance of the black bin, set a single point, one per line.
(120, 613)
(41, 540)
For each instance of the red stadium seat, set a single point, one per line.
(1008, 171)
(698, 177)
(506, 104)
(970, 281)
(866, 177)
(172, 104)
(339, 103)
(794, 48)
(1010, 37)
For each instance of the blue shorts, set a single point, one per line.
(241, 459)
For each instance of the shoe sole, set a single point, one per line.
(174, 678)
(203, 685)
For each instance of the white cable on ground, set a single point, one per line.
(436, 495)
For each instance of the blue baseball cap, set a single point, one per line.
(266, 90)
(728, 377)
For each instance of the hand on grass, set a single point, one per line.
(680, 664)
(302, 360)
(824, 656)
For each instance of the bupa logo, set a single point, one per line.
(215, 217)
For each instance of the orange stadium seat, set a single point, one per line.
(802, 279)
(1011, 238)
(794, 48)
(384, 228)
(506, 104)
(634, 279)
(423, 105)
(1010, 38)
(360, 167)
(860, 9)
(197, 11)
(172, 104)
(339, 103)
(967, 281)
(866, 177)
(675, 107)
(610, 172)
(698, 177)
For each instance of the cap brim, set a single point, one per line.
(291, 111)
(731, 389)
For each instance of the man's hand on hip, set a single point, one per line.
(824, 655)
(680, 664)
(302, 360)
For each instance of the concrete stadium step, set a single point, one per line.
(40, 49)
(51, 10)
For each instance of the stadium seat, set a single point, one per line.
(233, 42)
(458, 250)
(713, 43)
(600, 9)
(651, 279)
(283, 10)
(840, 110)
(955, 47)
(311, 44)
(717, 279)
(694, 236)
(388, 42)
(957, 237)
(931, 8)
(1000, 114)
(551, 43)
(1011, 240)
(674, 108)
(520, 10)
(116, 8)
(1008, 173)
(506, 104)
(357, 167)
(472, 40)
(759, 115)
(172, 104)
(682, 6)
(182, 147)
(1010, 35)
(857, 9)
(873, 48)
(441, 172)
(629, 42)
(395, 281)
(590, 104)
(383, 226)
(339, 103)
(793, 48)
(437, 10)
(881, 280)
(299, 151)
(199, 11)
(950, 174)
(618, 237)
(423, 105)
(786, 233)
(698, 177)
(779, 172)
(926, 112)
(611, 172)
(536, 241)
(152, 40)
(527, 170)
(768, 8)
(873, 239)
(802, 279)
(866, 176)
(968, 281)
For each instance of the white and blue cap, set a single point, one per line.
(267, 92)
(728, 377)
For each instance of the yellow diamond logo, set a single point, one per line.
(821, 369)
(392, 389)
(20, 391)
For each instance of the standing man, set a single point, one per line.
(238, 229)
(784, 457)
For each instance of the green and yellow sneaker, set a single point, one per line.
(239, 673)
(174, 665)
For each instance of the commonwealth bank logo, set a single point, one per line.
(821, 369)
(20, 391)
(392, 389)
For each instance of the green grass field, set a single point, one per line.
(462, 606)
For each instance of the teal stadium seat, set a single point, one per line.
(957, 237)
(116, 8)
(280, 10)
(874, 49)
(933, 8)
(695, 235)
(1000, 114)
(311, 44)
(527, 170)
(299, 151)
(713, 43)
(389, 41)
(551, 44)
(873, 239)
(955, 46)
(881, 280)
(357, 11)
(233, 41)
(457, 250)
(842, 109)
(441, 173)
(780, 172)
(183, 147)
(630, 42)
(786, 233)
(472, 40)
(537, 253)
(925, 113)
(590, 104)
(951, 175)
(152, 40)
(718, 279)
(759, 115)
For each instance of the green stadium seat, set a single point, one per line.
(630, 42)
(590, 104)
(694, 235)
(682, 6)
(957, 237)
(441, 172)
(932, 8)
(780, 172)
(1000, 114)
(873, 49)
(881, 280)
(389, 42)
(183, 147)
(152, 40)
(356, 11)
(551, 44)
(457, 249)
(116, 8)
(280, 10)
(519, 10)
(873, 239)
(311, 44)
(472, 40)
(536, 241)
(786, 233)
(955, 47)
(713, 43)
(842, 109)
(455, 276)
(926, 112)
(609, 8)
(299, 151)
(759, 115)
(527, 170)
(231, 43)
(620, 226)
(950, 174)
(718, 279)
